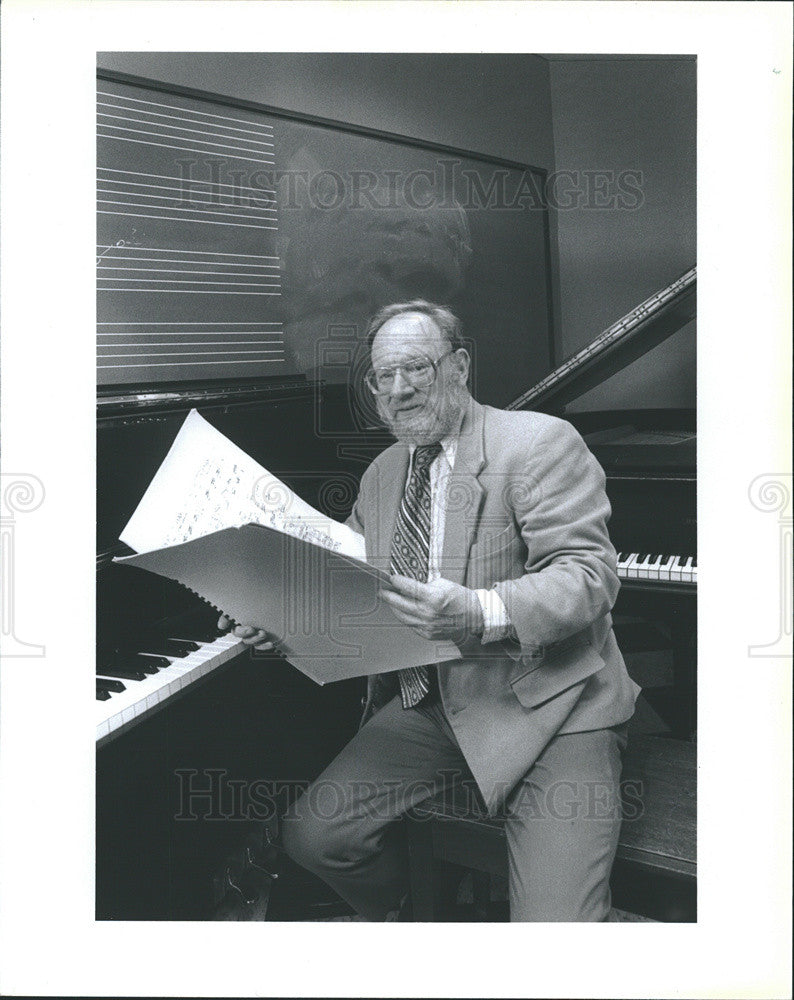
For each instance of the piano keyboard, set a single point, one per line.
(657, 568)
(139, 684)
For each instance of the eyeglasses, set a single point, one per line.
(419, 372)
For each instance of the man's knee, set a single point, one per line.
(321, 842)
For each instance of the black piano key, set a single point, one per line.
(210, 635)
(110, 685)
(127, 675)
(694, 562)
(190, 638)
(196, 634)
(102, 694)
(165, 647)
(153, 648)
(139, 664)
(655, 560)
(188, 645)
(138, 661)
(644, 557)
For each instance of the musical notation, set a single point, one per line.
(206, 483)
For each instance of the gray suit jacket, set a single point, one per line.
(526, 513)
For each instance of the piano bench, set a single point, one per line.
(655, 869)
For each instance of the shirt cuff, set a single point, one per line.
(496, 621)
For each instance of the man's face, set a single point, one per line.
(427, 414)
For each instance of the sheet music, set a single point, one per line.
(324, 607)
(206, 483)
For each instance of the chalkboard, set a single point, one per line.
(237, 242)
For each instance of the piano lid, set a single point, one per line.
(632, 336)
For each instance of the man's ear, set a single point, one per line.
(463, 362)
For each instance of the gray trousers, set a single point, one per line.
(562, 826)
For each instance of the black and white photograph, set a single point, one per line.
(301, 319)
(385, 455)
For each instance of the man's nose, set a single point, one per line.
(401, 386)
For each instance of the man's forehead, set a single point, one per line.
(407, 333)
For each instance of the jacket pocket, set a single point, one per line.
(555, 673)
(494, 559)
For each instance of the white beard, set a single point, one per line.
(431, 424)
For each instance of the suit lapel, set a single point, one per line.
(464, 496)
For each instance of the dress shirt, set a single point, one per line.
(496, 622)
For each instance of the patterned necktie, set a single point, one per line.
(410, 553)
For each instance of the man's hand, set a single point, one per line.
(437, 610)
(251, 636)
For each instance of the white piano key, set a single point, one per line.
(675, 570)
(631, 566)
(665, 567)
(623, 565)
(653, 566)
(686, 571)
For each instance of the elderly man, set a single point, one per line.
(493, 527)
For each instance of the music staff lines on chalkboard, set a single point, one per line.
(252, 126)
(180, 128)
(190, 128)
(177, 250)
(182, 201)
(269, 277)
(196, 198)
(141, 344)
(149, 278)
(189, 269)
(187, 184)
(275, 330)
(174, 270)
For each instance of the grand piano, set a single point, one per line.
(649, 457)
